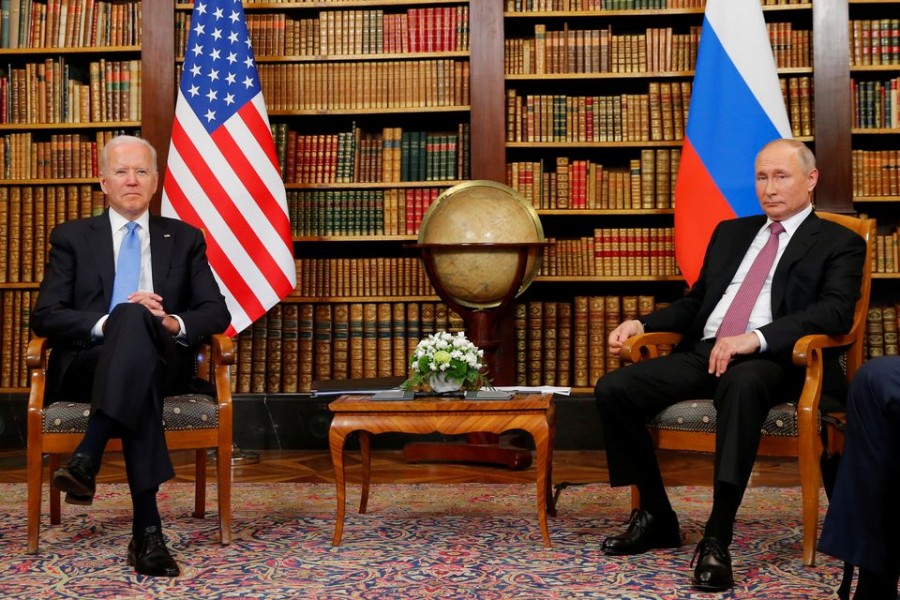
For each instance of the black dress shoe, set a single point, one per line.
(148, 554)
(645, 532)
(76, 479)
(713, 570)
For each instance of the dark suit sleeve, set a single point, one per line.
(190, 290)
(822, 290)
(70, 301)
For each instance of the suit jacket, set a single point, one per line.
(814, 288)
(78, 283)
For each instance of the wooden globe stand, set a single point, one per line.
(482, 330)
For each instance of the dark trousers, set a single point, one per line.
(862, 525)
(629, 397)
(127, 375)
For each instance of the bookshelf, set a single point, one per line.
(596, 105)
(68, 83)
(348, 219)
(874, 72)
(369, 104)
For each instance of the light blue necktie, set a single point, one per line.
(128, 267)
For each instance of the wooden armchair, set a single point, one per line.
(790, 429)
(192, 421)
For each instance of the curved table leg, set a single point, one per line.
(541, 434)
(365, 447)
(551, 424)
(336, 440)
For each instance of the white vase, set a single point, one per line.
(440, 382)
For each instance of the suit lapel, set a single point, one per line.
(161, 243)
(736, 245)
(802, 240)
(99, 240)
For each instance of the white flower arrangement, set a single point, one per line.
(449, 357)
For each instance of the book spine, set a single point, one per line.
(274, 349)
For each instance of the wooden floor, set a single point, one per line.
(314, 466)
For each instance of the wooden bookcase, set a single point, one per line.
(68, 87)
(491, 25)
(874, 75)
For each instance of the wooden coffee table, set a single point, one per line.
(533, 413)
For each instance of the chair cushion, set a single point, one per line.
(187, 411)
(700, 416)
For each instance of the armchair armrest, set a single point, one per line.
(808, 345)
(646, 345)
(220, 376)
(222, 349)
(36, 357)
(808, 354)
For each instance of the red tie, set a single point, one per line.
(738, 315)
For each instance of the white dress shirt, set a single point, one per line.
(145, 283)
(762, 310)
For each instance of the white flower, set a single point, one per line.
(446, 353)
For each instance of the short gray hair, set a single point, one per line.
(805, 156)
(126, 139)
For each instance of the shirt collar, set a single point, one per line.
(792, 223)
(117, 221)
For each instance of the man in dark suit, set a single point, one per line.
(809, 285)
(126, 344)
(862, 526)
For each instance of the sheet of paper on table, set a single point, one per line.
(540, 389)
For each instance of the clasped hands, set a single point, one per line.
(724, 351)
(153, 303)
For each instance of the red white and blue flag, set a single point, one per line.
(736, 108)
(222, 174)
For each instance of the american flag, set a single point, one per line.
(222, 174)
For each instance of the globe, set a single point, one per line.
(475, 232)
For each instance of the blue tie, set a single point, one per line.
(128, 267)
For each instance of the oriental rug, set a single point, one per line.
(428, 541)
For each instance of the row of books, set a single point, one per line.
(357, 156)
(358, 277)
(517, 6)
(655, 50)
(295, 344)
(874, 42)
(876, 104)
(27, 214)
(359, 212)
(62, 156)
(886, 253)
(69, 23)
(881, 331)
(351, 32)
(565, 344)
(365, 85)
(557, 343)
(797, 93)
(791, 47)
(649, 183)
(876, 172)
(15, 308)
(600, 51)
(657, 115)
(53, 91)
(613, 252)
(520, 6)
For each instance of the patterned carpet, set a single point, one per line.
(478, 541)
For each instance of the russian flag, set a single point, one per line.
(736, 108)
